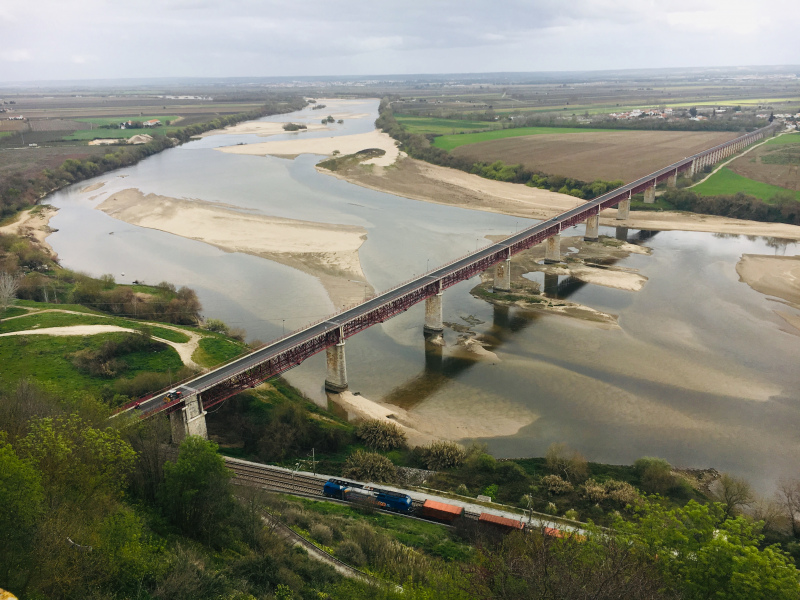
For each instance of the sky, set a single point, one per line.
(97, 39)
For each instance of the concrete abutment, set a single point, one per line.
(188, 420)
(336, 379)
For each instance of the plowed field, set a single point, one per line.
(607, 155)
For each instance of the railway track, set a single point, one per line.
(275, 479)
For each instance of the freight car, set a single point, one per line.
(433, 510)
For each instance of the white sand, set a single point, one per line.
(772, 275)
(345, 144)
(327, 251)
(621, 280)
(33, 225)
(93, 187)
(263, 128)
(467, 417)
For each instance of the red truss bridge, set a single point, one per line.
(215, 386)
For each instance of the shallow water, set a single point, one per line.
(701, 371)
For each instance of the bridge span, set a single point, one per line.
(187, 410)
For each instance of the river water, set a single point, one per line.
(701, 370)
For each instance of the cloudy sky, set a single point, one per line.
(90, 39)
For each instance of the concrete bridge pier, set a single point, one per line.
(592, 229)
(552, 249)
(672, 180)
(502, 277)
(336, 380)
(650, 194)
(621, 233)
(434, 322)
(624, 209)
(189, 420)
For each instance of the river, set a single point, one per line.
(701, 371)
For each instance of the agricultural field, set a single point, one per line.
(766, 170)
(450, 142)
(424, 125)
(587, 156)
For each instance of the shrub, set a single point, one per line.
(571, 514)
(351, 553)
(655, 474)
(215, 325)
(556, 485)
(322, 533)
(622, 492)
(369, 466)
(381, 435)
(443, 455)
(566, 462)
(594, 491)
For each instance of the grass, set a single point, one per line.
(99, 121)
(423, 125)
(12, 311)
(212, 351)
(449, 142)
(726, 182)
(7, 133)
(46, 360)
(787, 138)
(122, 134)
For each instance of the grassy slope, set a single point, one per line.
(212, 351)
(726, 182)
(789, 138)
(449, 142)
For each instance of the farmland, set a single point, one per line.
(450, 142)
(727, 182)
(423, 125)
(588, 156)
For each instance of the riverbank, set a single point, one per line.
(419, 180)
(777, 276)
(34, 224)
(328, 252)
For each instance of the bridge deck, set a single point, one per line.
(287, 352)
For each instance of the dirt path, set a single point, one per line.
(184, 349)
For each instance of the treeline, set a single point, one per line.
(784, 208)
(18, 191)
(419, 147)
(646, 124)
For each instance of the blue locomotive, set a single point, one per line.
(356, 492)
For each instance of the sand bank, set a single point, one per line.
(772, 275)
(93, 187)
(262, 128)
(329, 252)
(346, 144)
(431, 183)
(467, 418)
(34, 224)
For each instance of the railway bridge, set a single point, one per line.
(187, 409)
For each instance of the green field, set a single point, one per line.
(122, 134)
(448, 142)
(6, 133)
(423, 125)
(787, 138)
(215, 350)
(99, 121)
(726, 182)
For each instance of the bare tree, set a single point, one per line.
(8, 290)
(789, 498)
(567, 462)
(769, 512)
(735, 493)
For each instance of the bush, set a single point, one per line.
(369, 466)
(622, 492)
(381, 435)
(322, 533)
(566, 462)
(556, 485)
(216, 325)
(655, 474)
(351, 553)
(594, 491)
(438, 456)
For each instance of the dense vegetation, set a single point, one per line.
(782, 208)
(419, 146)
(17, 192)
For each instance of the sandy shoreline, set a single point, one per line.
(777, 276)
(346, 144)
(329, 252)
(262, 129)
(34, 224)
(431, 183)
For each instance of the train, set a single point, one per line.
(433, 510)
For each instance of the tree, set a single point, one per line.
(8, 290)
(381, 435)
(655, 474)
(369, 466)
(734, 493)
(693, 111)
(789, 499)
(196, 494)
(566, 462)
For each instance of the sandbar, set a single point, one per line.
(326, 251)
(441, 185)
(93, 187)
(262, 128)
(345, 144)
(772, 275)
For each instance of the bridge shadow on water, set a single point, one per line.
(440, 369)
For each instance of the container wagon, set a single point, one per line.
(439, 511)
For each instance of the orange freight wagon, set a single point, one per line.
(441, 511)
